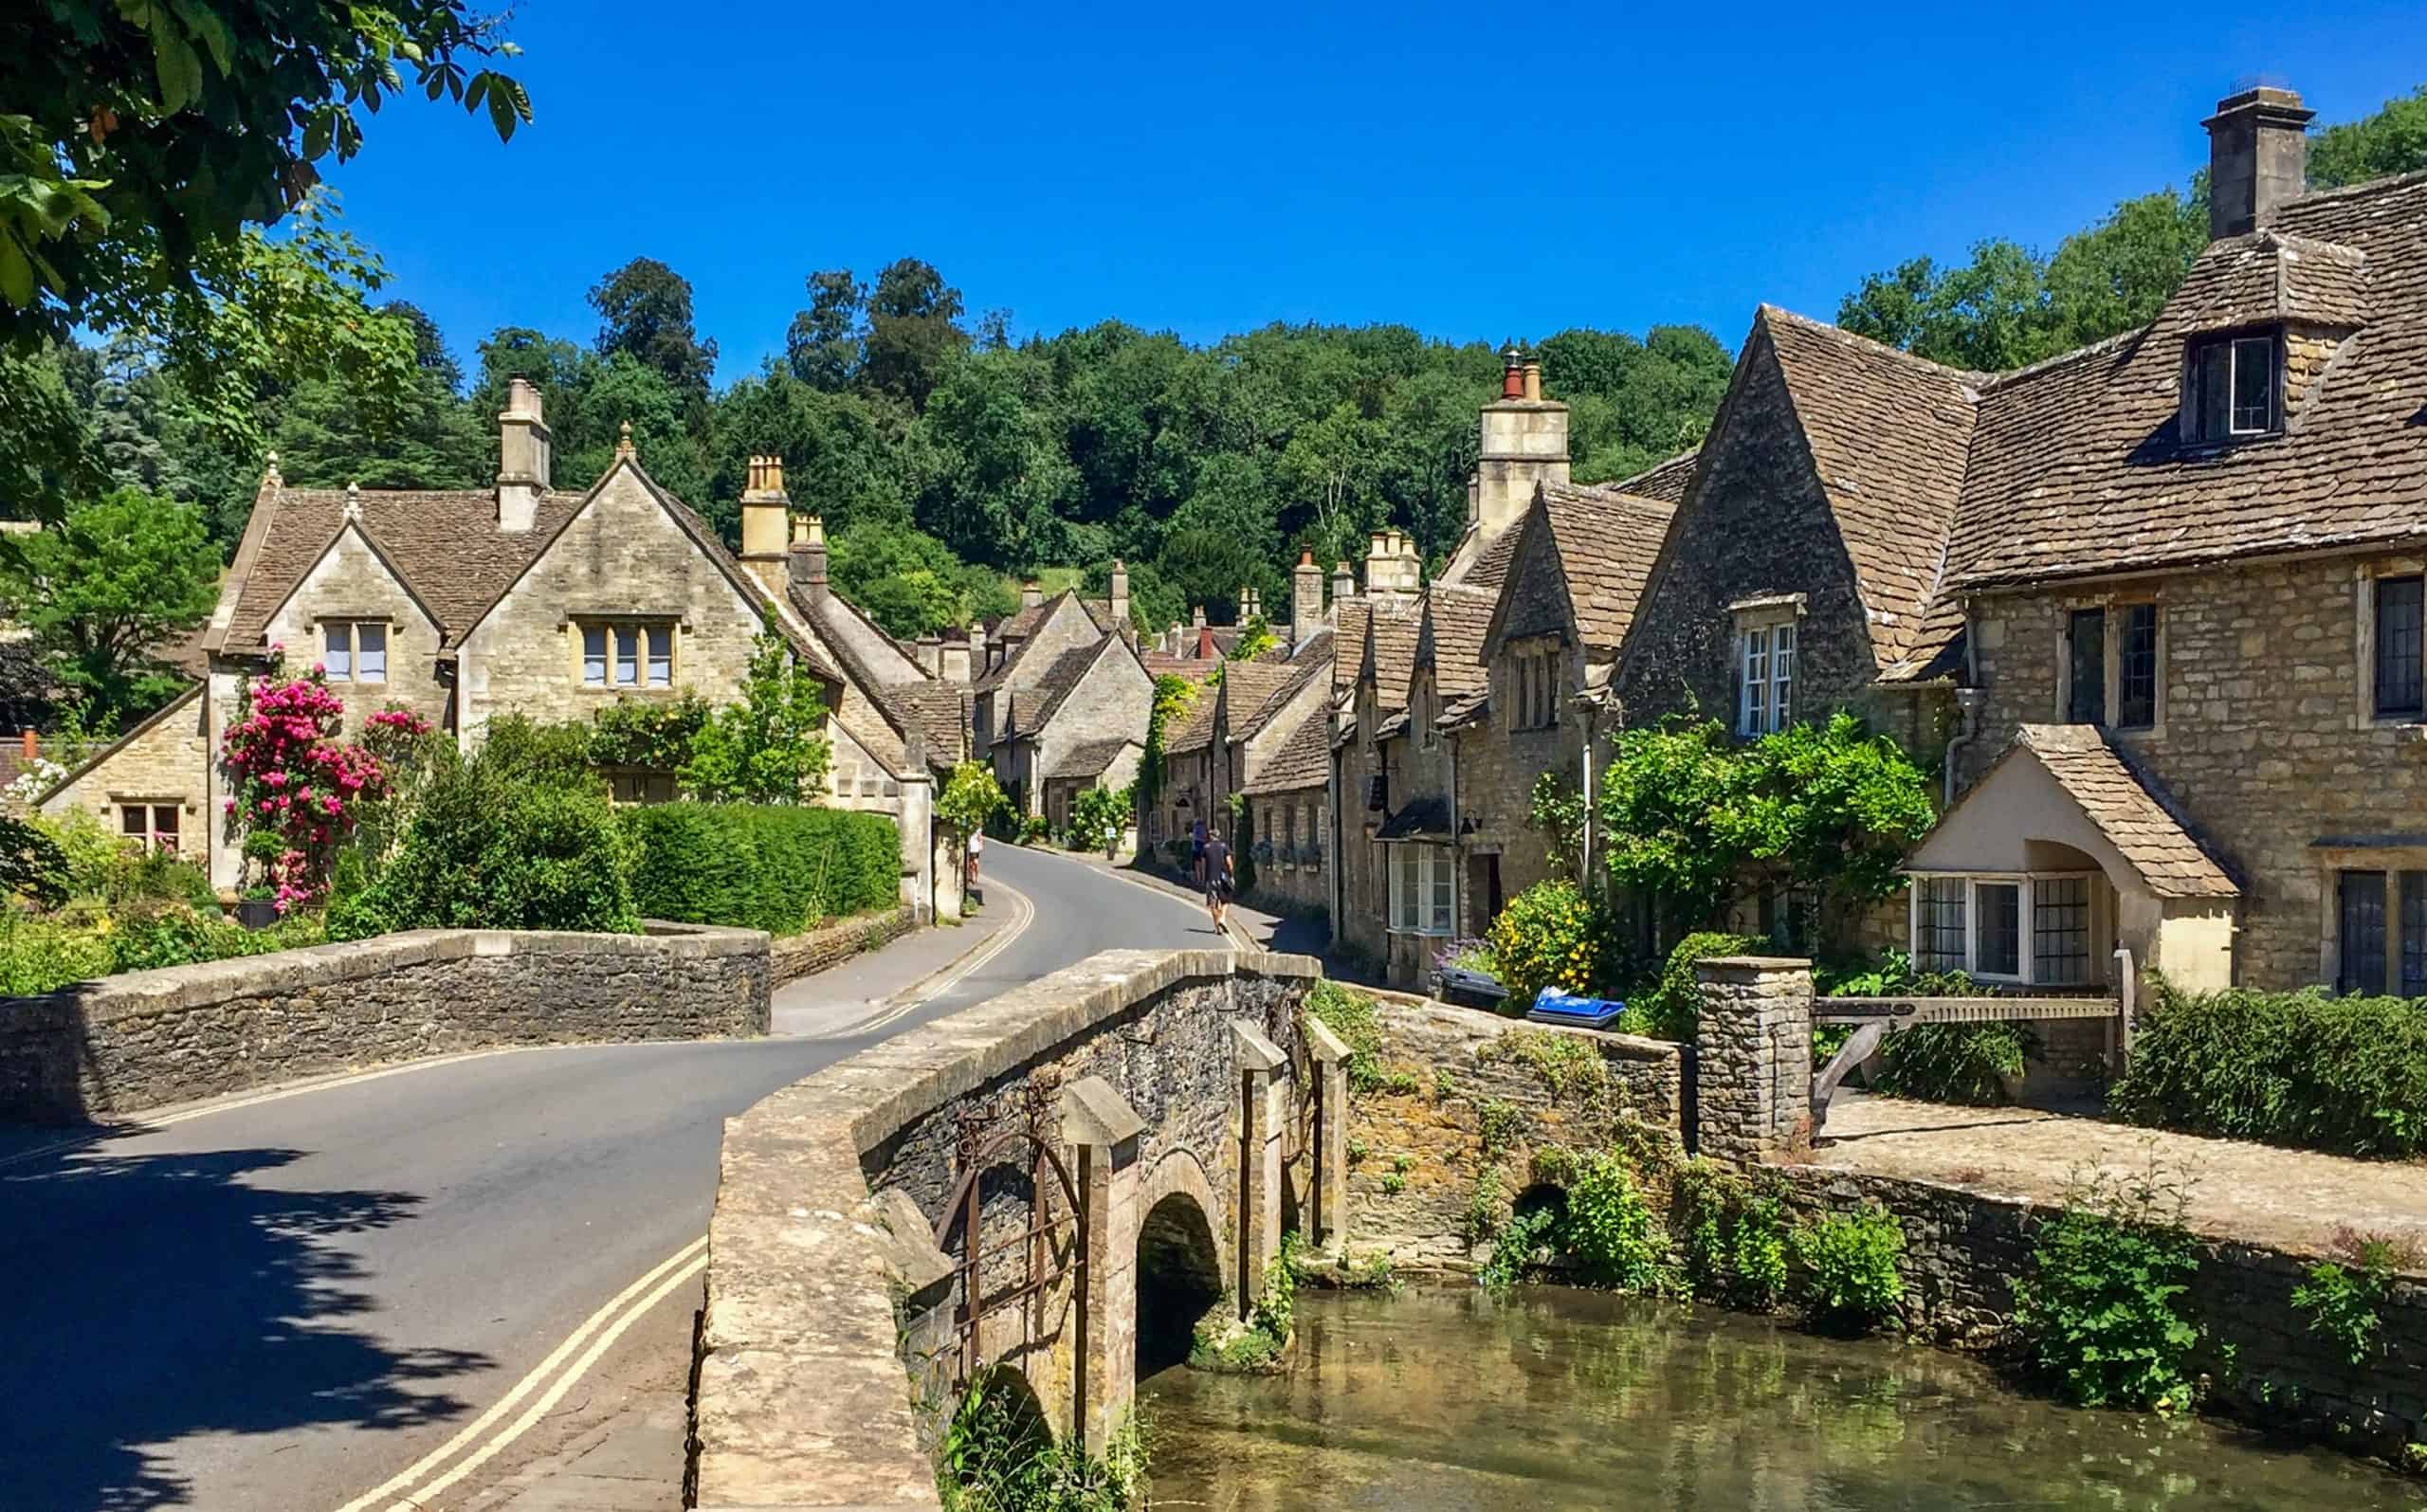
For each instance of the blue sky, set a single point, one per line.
(1473, 171)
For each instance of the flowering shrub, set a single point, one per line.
(1551, 936)
(297, 787)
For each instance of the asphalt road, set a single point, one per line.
(281, 1305)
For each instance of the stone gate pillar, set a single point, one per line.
(1330, 1162)
(1753, 1058)
(917, 814)
(1261, 1118)
(1103, 1131)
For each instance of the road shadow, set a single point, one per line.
(158, 1299)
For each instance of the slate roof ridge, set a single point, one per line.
(1688, 459)
(1869, 346)
(1998, 382)
(2387, 183)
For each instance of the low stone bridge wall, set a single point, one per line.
(1155, 1114)
(147, 1039)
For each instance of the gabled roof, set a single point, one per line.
(1089, 758)
(1607, 542)
(1253, 691)
(1887, 434)
(1391, 631)
(2272, 277)
(1312, 666)
(1197, 669)
(443, 545)
(1024, 626)
(1420, 818)
(2078, 467)
(1456, 618)
(938, 712)
(1665, 481)
(1031, 711)
(142, 727)
(1350, 617)
(1303, 759)
(1491, 569)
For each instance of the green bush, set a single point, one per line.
(1733, 1241)
(1675, 1008)
(1851, 1281)
(2341, 1301)
(1552, 936)
(103, 865)
(778, 867)
(1954, 1063)
(43, 956)
(2105, 1311)
(1350, 1016)
(513, 838)
(1610, 1231)
(2305, 1069)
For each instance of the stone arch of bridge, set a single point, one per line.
(1182, 1261)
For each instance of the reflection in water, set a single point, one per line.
(1443, 1401)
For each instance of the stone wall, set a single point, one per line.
(793, 957)
(1964, 1249)
(165, 759)
(826, 1290)
(1291, 823)
(1467, 1092)
(2263, 738)
(146, 1039)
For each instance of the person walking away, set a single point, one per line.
(1218, 877)
(1196, 853)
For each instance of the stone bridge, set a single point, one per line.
(1048, 1188)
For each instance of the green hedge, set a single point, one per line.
(772, 867)
(2346, 1074)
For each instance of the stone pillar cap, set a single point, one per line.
(1094, 1114)
(1759, 963)
(1256, 1052)
(904, 1242)
(1328, 1046)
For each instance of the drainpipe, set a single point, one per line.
(1968, 702)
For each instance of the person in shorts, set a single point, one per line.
(1219, 875)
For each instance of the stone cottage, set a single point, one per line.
(521, 598)
(1094, 698)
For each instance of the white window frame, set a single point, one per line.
(350, 633)
(1431, 871)
(1765, 666)
(2026, 884)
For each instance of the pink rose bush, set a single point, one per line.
(298, 785)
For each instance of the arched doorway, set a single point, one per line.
(1179, 1279)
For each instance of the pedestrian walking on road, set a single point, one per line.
(1196, 852)
(1218, 876)
(977, 853)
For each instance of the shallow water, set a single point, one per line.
(1444, 1402)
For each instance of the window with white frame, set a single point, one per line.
(1765, 676)
(2233, 388)
(354, 650)
(1421, 889)
(627, 654)
(2042, 929)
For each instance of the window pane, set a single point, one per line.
(1440, 864)
(2253, 384)
(2399, 648)
(130, 820)
(2136, 670)
(339, 659)
(2212, 375)
(1756, 683)
(2413, 933)
(2060, 931)
(2001, 908)
(2361, 896)
(1938, 945)
(1781, 675)
(593, 655)
(661, 656)
(2086, 647)
(370, 645)
(627, 656)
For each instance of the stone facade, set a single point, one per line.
(350, 586)
(2263, 737)
(147, 1039)
(165, 762)
(1293, 841)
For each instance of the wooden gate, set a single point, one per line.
(984, 1146)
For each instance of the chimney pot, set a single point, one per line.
(34, 745)
(805, 563)
(2257, 158)
(1513, 372)
(1533, 380)
(1031, 594)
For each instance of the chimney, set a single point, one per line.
(765, 511)
(33, 746)
(2257, 158)
(1343, 583)
(1197, 617)
(1031, 595)
(806, 562)
(953, 658)
(524, 455)
(931, 654)
(1391, 565)
(1119, 596)
(1523, 441)
(1305, 599)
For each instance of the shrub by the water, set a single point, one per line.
(996, 1455)
(1733, 1240)
(2106, 1308)
(1609, 1232)
(1853, 1277)
(1350, 1016)
(2306, 1069)
(778, 868)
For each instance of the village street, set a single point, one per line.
(287, 1302)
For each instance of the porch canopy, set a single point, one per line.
(2058, 854)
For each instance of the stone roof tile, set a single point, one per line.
(2126, 810)
(1606, 542)
(1302, 761)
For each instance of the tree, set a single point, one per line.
(2393, 140)
(824, 345)
(1222, 539)
(839, 457)
(645, 312)
(913, 330)
(428, 439)
(105, 590)
(771, 747)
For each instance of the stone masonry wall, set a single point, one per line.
(168, 759)
(1288, 820)
(1465, 1093)
(351, 582)
(793, 957)
(1964, 1249)
(146, 1039)
(2263, 739)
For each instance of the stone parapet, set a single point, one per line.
(821, 1365)
(1753, 1058)
(147, 1039)
(793, 957)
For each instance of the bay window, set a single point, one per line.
(1421, 889)
(2040, 929)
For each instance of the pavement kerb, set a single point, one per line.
(1000, 938)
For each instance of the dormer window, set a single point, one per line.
(2233, 387)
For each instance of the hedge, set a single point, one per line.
(2305, 1069)
(779, 869)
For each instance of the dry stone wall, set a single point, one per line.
(797, 956)
(146, 1039)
